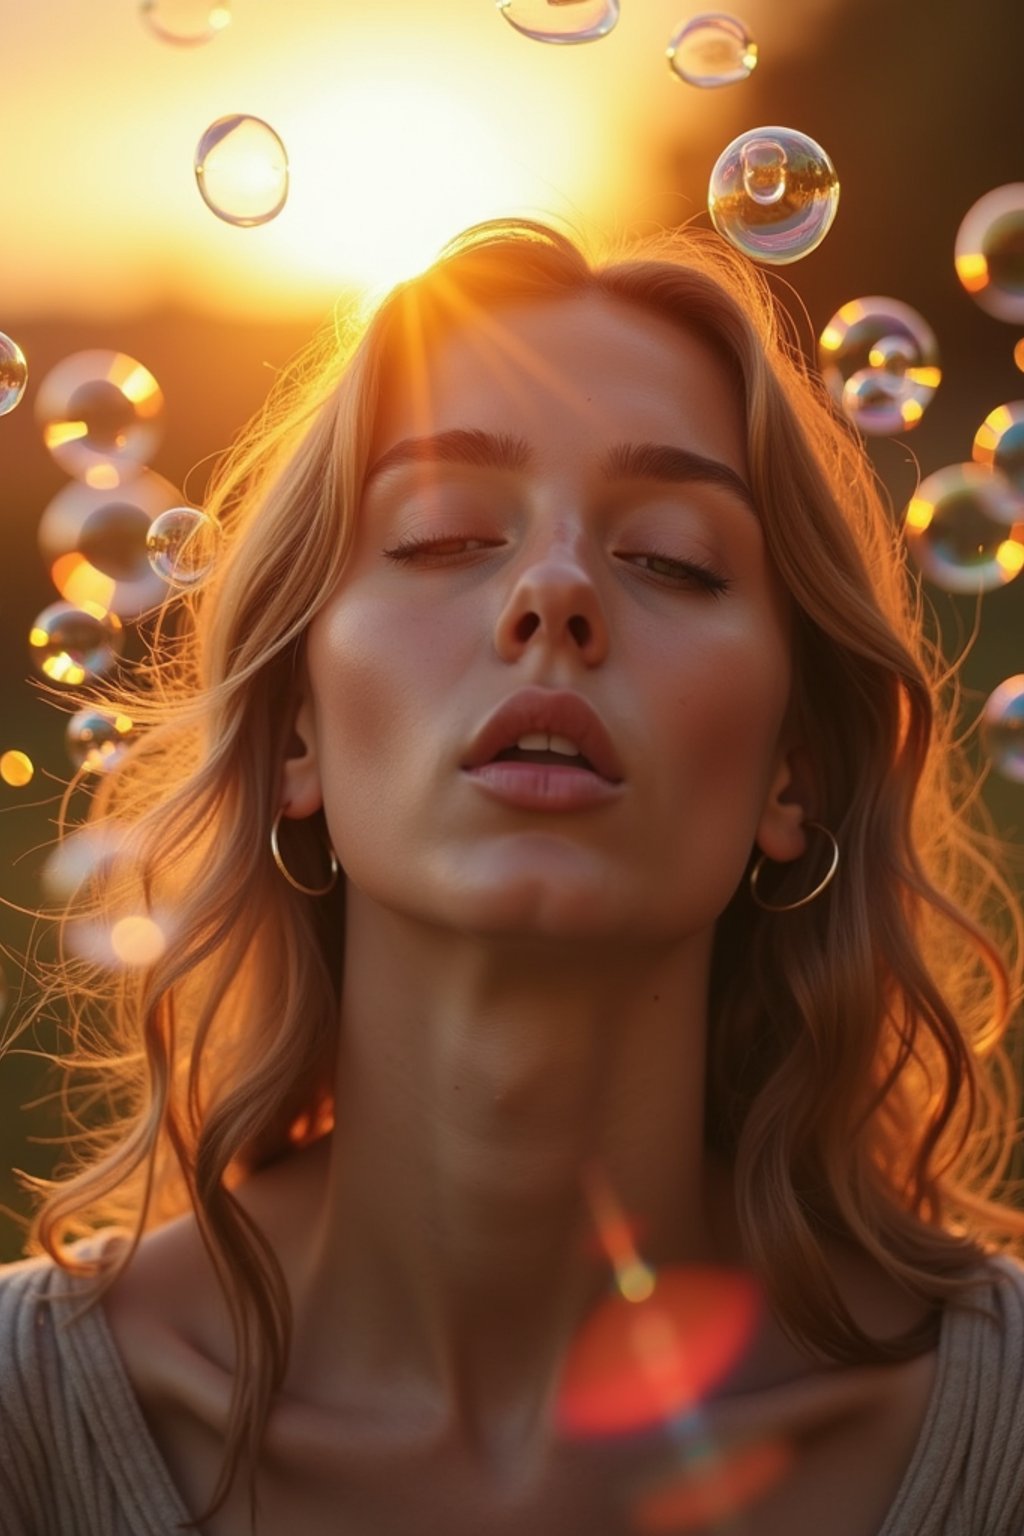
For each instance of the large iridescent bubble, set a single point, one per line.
(100, 417)
(880, 360)
(965, 529)
(241, 170)
(773, 194)
(989, 252)
(94, 544)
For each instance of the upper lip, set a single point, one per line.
(544, 709)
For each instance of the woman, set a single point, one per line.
(556, 811)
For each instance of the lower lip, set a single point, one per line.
(544, 786)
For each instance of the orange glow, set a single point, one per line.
(1010, 558)
(633, 1365)
(711, 1490)
(919, 515)
(79, 582)
(137, 940)
(16, 769)
(57, 433)
(972, 270)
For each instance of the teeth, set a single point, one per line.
(541, 741)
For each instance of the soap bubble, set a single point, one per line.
(999, 441)
(773, 194)
(989, 252)
(965, 529)
(99, 413)
(97, 741)
(880, 361)
(241, 170)
(94, 544)
(182, 545)
(561, 21)
(1002, 728)
(13, 374)
(185, 21)
(712, 49)
(16, 769)
(71, 644)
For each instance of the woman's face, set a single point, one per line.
(570, 561)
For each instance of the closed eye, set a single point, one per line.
(680, 573)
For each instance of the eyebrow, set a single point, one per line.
(623, 461)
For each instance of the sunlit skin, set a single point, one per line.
(523, 989)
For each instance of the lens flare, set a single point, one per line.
(773, 194)
(16, 769)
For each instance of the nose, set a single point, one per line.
(554, 605)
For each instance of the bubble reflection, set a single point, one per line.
(182, 545)
(94, 544)
(13, 374)
(561, 21)
(1002, 728)
(965, 529)
(241, 169)
(773, 194)
(97, 741)
(185, 22)
(999, 441)
(100, 414)
(880, 360)
(989, 252)
(712, 49)
(70, 644)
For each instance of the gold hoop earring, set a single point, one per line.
(307, 890)
(789, 906)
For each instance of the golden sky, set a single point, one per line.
(404, 120)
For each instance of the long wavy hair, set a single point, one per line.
(860, 1077)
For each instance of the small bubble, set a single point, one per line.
(94, 544)
(1002, 728)
(241, 170)
(16, 769)
(185, 22)
(561, 21)
(712, 49)
(999, 441)
(989, 252)
(97, 741)
(100, 417)
(773, 194)
(183, 545)
(70, 645)
(880, 361)
(965, 529)
(13, 374)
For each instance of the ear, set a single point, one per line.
(301, 793)
(789, 803)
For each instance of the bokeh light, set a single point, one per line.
(16, 769)
(94, 544)
(880, 360)
(182, 546)
(99, 412)
(70, 645)
(773, 194)
(241, 169)
(561, 21)
(999, 441)
(712, 49)
(1002, 728)
(81, 855)
(186, 22)
(965, 529)
(97, 741)
(13, 374)
(989, 252)
(132, 941)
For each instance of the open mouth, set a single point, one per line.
(560, 759)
